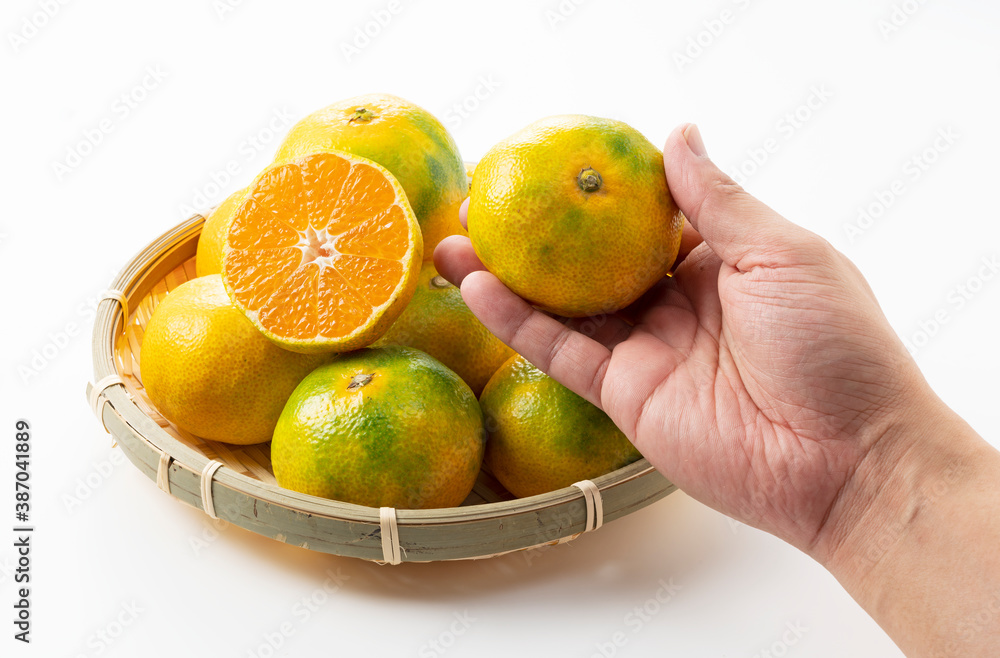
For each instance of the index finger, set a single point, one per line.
(577, 362)
(463, 214)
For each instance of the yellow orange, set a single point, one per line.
(208, 370)
(213, 235)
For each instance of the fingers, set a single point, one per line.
(574, 360)
(608, 330)
(454, 259)
(743, 231)
(697, 281)
(655, 296)
(463, 214)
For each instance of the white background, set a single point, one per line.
(879, 99)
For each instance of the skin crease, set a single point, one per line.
(765, 381)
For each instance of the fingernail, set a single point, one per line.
(693, 137)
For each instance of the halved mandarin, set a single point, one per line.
(324, 253)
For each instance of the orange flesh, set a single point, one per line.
(319, 244)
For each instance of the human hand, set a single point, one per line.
(757, 378)
(764, 380)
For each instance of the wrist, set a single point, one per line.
(923, 456)
(913, 535)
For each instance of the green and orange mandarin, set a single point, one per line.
(387, 427)
(573, 214)
(544, 437)
(405, 139)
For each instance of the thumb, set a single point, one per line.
(743, 231)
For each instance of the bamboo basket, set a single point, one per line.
(235, 483)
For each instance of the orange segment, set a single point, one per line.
(324, 253)
(286, 205)
(257, 268)
(332, 178)
(383, 241)
(291, 309)
(339, 302)
(376, 276)
(366, 193)
(261, 228)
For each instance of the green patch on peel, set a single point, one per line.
(572, 219)
(620, 144)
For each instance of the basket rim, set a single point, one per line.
(137, 278)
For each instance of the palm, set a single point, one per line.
(748, 390)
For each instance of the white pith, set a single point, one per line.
(317, 246)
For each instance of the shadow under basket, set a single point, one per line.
(235, 483)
